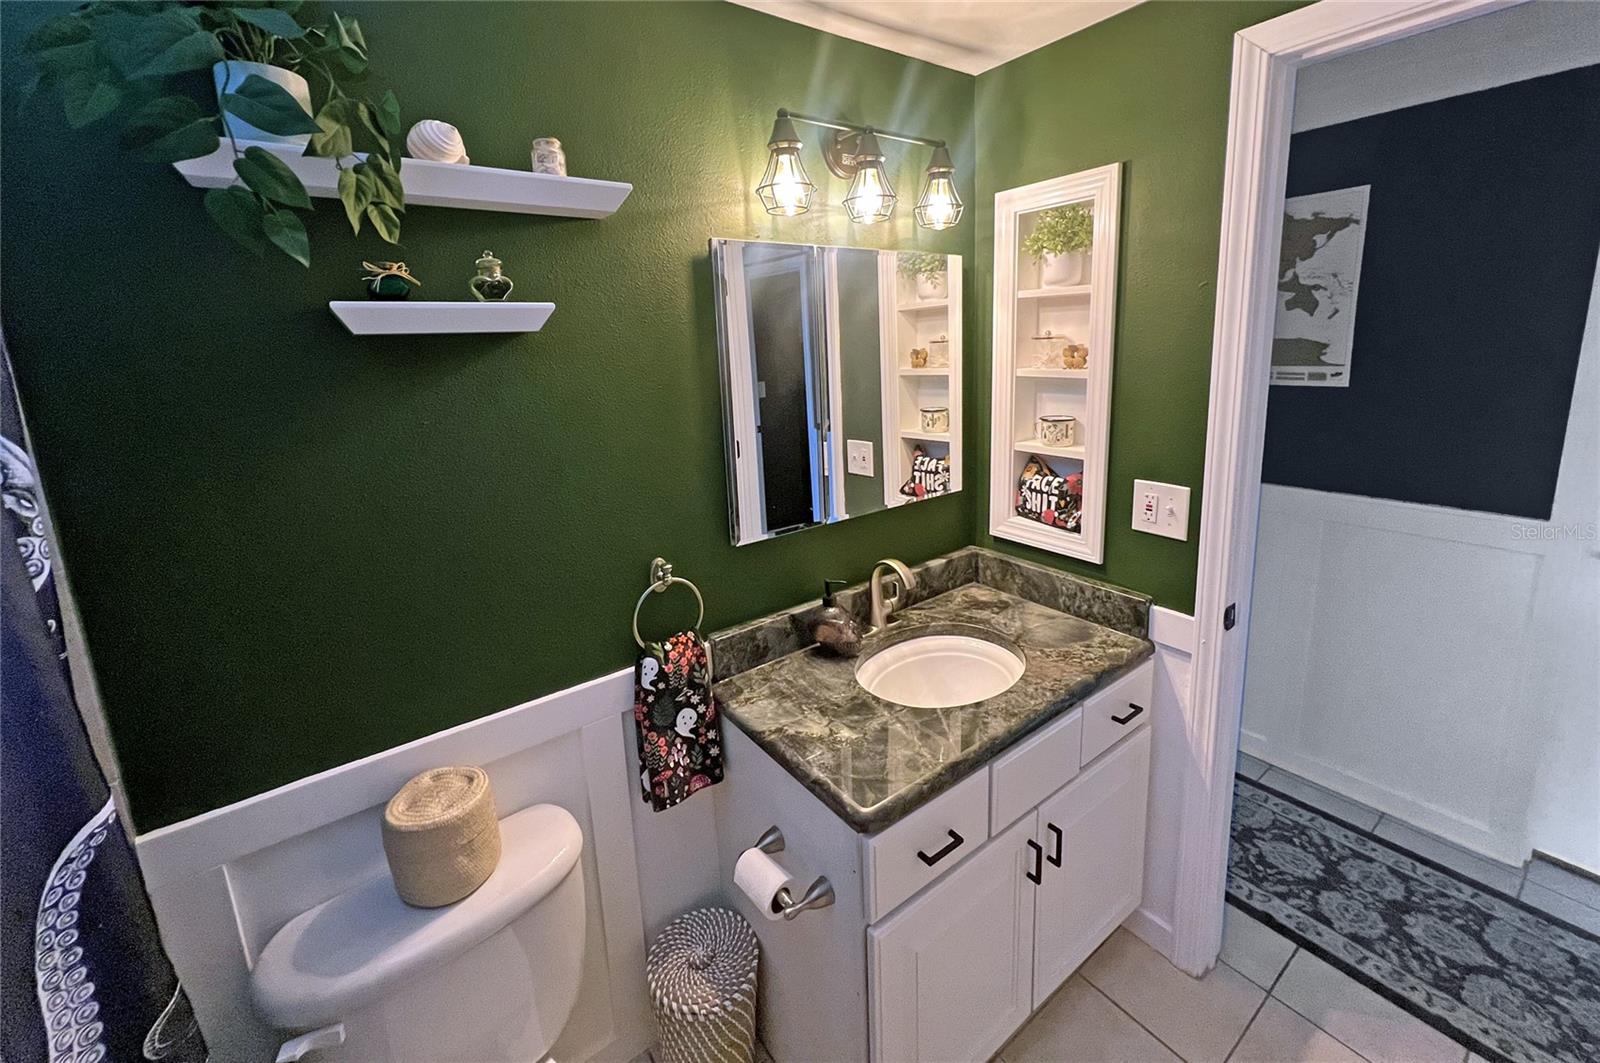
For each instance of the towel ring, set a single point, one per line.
(661, 578)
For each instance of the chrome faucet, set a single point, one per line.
(901, 579)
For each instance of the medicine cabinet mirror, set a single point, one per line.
(841, 381)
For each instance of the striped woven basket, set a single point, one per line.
(702, 975)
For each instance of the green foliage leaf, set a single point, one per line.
(270, 178)
(274, 21)
(333, 138)
(385, 181)
(237, 212)
(268, 107)
(347, 43)
(57, 33)
(384, 220)
(389, 116)
(170, 128)
(355, 192)
(169, 41)
(288, 234)
(87, 97)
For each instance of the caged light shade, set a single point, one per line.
(940, 206)
(871, 198)
(785, 189)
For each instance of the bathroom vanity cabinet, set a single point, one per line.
(955, 922)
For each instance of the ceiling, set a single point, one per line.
(967, 35)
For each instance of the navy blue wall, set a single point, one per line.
(1482, 236)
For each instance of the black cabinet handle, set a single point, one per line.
(1137, 709)
(1055, 861)
(1035, 876)
(955, 843)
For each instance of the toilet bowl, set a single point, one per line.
(489, 979)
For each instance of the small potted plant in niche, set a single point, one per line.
(1060, 243)
(130, 60)
(930, 271)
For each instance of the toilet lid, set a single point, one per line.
(348, 951)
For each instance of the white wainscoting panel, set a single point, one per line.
(1391, 648)
(1171, 759)
(224, 882)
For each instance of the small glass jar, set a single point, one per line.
(1058, 430)
(548, 157)
(490, 285)
(936, 418)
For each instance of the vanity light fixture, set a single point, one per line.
(940, 206)
(852, 152)
(785, 189)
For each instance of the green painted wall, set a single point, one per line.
(293, 548)
(1147, 88)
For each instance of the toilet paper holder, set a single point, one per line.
(817, 895)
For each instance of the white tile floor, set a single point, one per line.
(1266, 1002)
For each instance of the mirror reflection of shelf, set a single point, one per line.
(1076, 291)
(931, 304)
(927, 437)
(942, 370)
(1035, 446)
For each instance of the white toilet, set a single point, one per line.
(489, 979)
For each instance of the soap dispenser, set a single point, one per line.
(836, 630)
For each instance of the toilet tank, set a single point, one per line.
(489, 979)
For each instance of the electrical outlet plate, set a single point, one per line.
(1161, 509)
(858, 457)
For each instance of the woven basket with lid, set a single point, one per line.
(441, 835)
(702, 975)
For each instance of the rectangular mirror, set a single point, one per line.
(841, 381)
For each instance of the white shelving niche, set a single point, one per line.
(906, 322)
(1025, 387)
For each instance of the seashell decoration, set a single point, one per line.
(436, 141)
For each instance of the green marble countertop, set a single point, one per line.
(872, 761)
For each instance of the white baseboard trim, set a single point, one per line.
(1152, 930)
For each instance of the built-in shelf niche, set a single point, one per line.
(1033, 319)
(932, 323)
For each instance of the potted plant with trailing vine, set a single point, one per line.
(1060, 243)
(136, 64)
(929, 270)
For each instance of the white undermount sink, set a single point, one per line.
(938, 671)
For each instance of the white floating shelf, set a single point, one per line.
(1076, 291)
(1034, 446)
(1055, 374)
(405, 317)
(930, 304)
(926, 437)
(436, 184)
(926, 371)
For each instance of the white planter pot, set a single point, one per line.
(229, 75)
(934, 287)
(1065, 270)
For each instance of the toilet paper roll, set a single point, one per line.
(760, 877)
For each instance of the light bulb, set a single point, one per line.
(785, 189)
(939, 206)
(871, 198)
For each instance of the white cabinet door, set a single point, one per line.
(1092, 833)
(951, 973)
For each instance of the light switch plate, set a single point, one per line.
(1161, 509)
(858, 457)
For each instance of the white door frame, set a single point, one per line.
(1260, 110)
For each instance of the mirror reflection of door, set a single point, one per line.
(784, 356)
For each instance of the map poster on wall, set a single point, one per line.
(1319, 269)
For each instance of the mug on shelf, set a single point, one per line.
(1058, 430)
(936, 418)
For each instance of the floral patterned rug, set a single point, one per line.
(1505, 979)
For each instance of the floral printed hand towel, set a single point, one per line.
(680, 737)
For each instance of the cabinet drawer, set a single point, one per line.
(1117, 711)
(1033, 771)
(902, 859)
